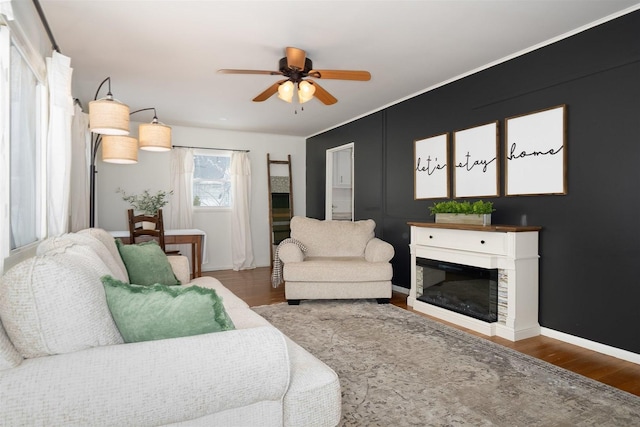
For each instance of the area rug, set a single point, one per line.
(397, 368)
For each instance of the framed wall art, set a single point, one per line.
(431, 173)
(536, 153)
(475, 161)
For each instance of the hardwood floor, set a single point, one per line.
(254, 287)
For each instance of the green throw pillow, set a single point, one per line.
(147, 264)
(156, 312)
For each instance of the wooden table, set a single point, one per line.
(193, 237)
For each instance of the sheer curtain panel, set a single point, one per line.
(59, 143)
(80, 158)
(241, 245)
(179, 212)
(26, 165)
(5, 219)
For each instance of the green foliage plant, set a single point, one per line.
(146, 202)
(465, 207)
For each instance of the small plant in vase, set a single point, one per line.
(465, 212)
(146, 202)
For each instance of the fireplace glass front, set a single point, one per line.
(469, 290)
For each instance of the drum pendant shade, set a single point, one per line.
(108, 117)
(154, 137)
(119, 149)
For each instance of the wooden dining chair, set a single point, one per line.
(138, 233)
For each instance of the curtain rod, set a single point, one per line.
(210, 148)
(47, 28)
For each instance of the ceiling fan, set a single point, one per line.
(298, 69)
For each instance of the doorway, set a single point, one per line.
(339, 183)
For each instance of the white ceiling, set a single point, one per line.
(165, 54)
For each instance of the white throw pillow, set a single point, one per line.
(55, 303)
(110, 243)
(115, 265)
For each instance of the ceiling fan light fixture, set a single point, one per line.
(120, 149)
(285, 91)
(305, 91)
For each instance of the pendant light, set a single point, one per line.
(121, 149)
(154, 136)
(108, 116)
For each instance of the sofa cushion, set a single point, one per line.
(110, 243)
(55, 303)
(337, 269)
(155, 312)
(9, 356)
(115, 265)
(333, 238)
(147, 264)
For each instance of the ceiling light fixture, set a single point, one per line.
(109, 124)
(305, 91)
(285, 91)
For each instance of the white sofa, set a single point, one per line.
(342, 260)
(63, 362)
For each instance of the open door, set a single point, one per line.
(339, 183)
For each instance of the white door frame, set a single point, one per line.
(329, 180)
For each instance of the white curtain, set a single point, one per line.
(180, 209)
(80, 159)
(59, 143)
(6, 9)
(179, 212)
(5, 177)
(24, 170)
(241, 246)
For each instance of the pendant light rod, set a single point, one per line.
(146, 109)
(109, 95)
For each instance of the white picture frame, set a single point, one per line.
(476, 161)
(430, 166)
(536, 153)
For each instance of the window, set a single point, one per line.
(212, 180)
(26, 166)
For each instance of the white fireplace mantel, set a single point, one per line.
(513, 250)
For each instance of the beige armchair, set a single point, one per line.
(342, 260)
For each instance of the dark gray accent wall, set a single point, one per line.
(590, 242)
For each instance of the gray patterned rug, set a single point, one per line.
(397, 368)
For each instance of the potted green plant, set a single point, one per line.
(146, 202)
(463, 212)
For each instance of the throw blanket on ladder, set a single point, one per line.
(276, 274)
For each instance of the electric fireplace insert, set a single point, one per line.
(465, 289)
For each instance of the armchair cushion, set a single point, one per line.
(346, 238)
(147, 264)
(146, 313)
(337, 269)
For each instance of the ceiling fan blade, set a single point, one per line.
(295, 57)
(271, 73)
(268, 92)
(341, 74)
(322, 95)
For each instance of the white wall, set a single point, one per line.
(152, 172)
